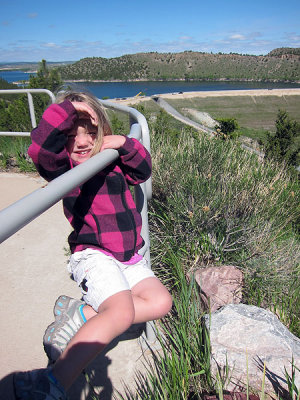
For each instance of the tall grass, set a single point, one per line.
(217, 203)
(13, 150)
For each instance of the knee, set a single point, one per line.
(163, 304)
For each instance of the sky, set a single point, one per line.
(64, 30)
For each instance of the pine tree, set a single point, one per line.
(284, 145)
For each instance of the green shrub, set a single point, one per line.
(228, 128)
(284, 145)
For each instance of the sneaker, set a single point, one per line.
(38, 384)
(69, 318)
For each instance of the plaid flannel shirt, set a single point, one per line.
(102, 211)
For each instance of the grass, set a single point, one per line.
(218, 204)
(13, 152)
(294, 391)
(255, 112)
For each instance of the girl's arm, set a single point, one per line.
(48, 151)
(135, 159)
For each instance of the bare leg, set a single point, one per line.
(148, 300)
(151, 300)
(115, 315)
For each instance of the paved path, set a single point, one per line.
(171, 110)
(32, 275)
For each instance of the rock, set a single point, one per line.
(203, 117)
(219, 286)
(12, 162)
(243, 335)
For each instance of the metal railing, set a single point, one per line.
(25, 210)
(29, 93)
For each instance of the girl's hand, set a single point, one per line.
(113, 142)
(85, 112)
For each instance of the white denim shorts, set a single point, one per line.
(100, 276)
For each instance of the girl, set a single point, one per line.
(118, 288)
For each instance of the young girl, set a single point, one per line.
(118, 288)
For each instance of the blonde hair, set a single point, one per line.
(103, 121)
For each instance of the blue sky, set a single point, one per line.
(64, 30)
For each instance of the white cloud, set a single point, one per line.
(51, 45)
(237, 36)
(294, 38)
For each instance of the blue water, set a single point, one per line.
(129, 89)
(15, 76)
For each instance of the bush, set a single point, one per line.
(228, 128)
(284, 145)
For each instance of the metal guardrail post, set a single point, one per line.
(31, 110)
(22, 212)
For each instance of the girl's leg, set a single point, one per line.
(147, 300)
(151, 300)
(115, 315)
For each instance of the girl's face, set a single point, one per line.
(81, 141)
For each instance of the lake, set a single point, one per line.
(15, 76)
(129, 89)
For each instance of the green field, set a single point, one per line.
(254, 112)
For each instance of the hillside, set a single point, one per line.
(278, 65)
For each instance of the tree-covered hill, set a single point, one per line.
(279, 65)
(285, 52)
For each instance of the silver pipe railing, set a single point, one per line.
(29, 93)
(25, 210)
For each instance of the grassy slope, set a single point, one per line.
(250, 112)
(255, 115)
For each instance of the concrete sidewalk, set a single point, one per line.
(33, 274)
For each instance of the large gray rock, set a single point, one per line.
(244, 335)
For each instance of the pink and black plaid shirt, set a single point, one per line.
(102, 211)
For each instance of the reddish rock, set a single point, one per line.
(219, 286)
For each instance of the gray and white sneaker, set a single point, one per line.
(69, 318)
(38, 384)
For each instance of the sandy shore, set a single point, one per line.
(219, 93)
